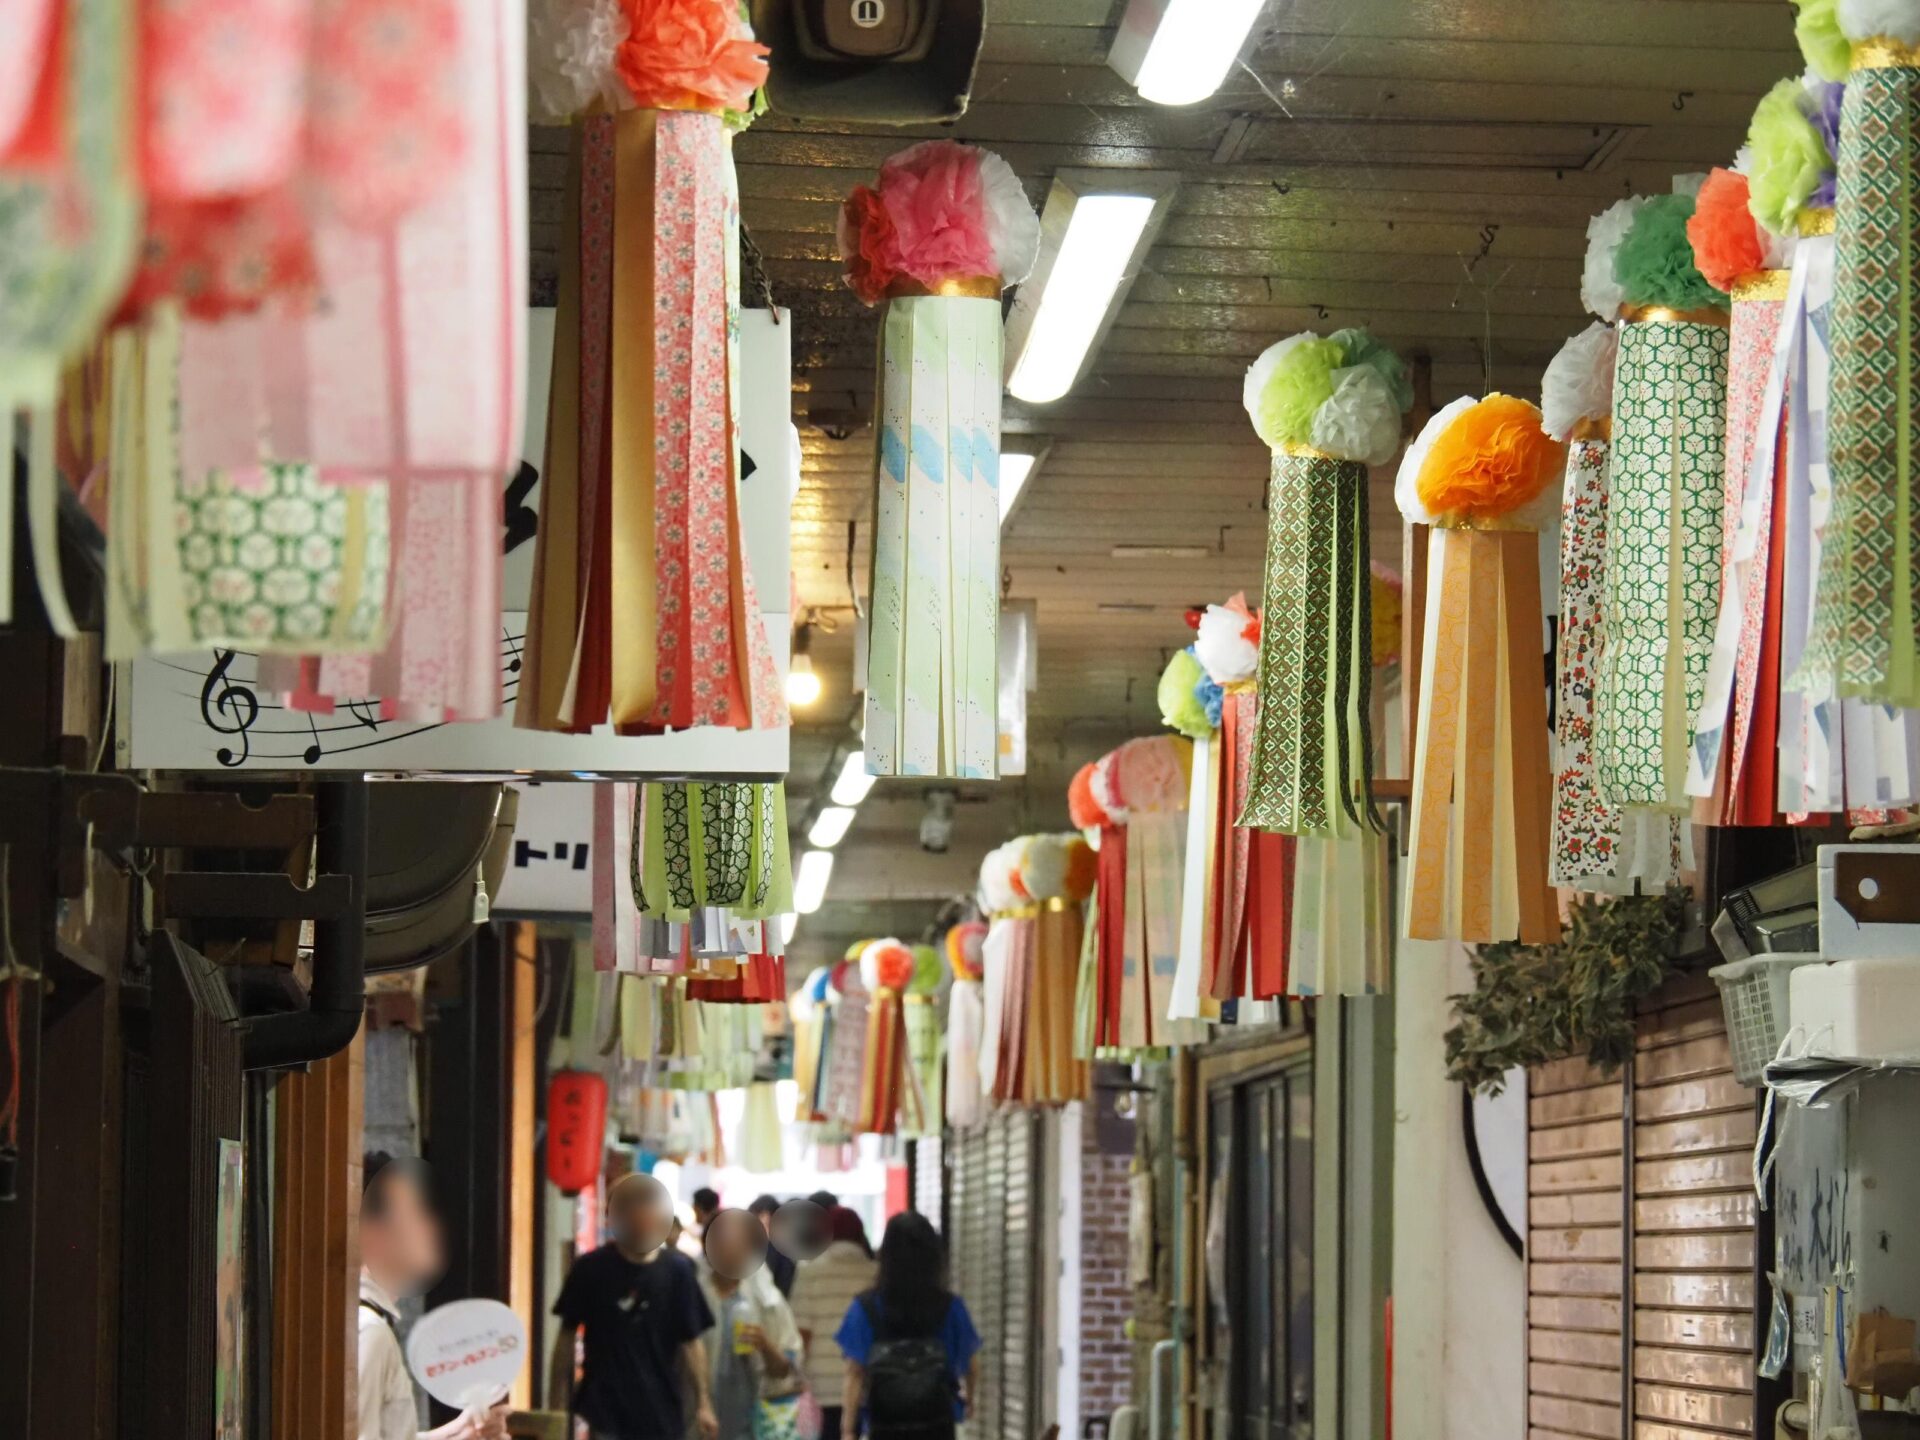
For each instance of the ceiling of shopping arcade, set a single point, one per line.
(1376, 163)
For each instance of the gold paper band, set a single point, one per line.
(1762, 285)
(1599, 427)
(1883, 52)
(1058, 904)
(1303, 452)
(1016, 912)
(970, 287)
(918, 999)
(1667, 315)
(1817, 220)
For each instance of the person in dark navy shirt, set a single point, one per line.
(639, 1305)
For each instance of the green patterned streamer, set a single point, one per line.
(1315, 605)
(1862, 640)
(1662, 556)
(717, 843)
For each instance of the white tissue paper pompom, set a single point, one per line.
(1406, 484)
(1105, 794)
(1578, 384)
(1896, 19)
(1014, 227)
(996, 880)
(1360, 420)
(570, 50)
(1261, 371)
(1222, 648)
(1599, 291)
(1043, 866)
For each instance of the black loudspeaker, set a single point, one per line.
(886, 62)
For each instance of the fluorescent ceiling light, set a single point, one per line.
(1177, 52)
(1161, 552)
(830, 826)
(789, 923)
(853, 783)
(1014, 469)
(810, 884)
(1080, 289)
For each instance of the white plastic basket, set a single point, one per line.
(1753, 992)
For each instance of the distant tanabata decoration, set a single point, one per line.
(644, 613)
(1485, 476)
(943, 231)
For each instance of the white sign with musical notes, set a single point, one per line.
(204, 711)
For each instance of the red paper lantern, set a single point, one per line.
(576, 1129)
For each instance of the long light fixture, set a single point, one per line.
(853, 783)
(803, 685)
(1177, 52)
(1014, 470)
(789, 923)
(1096, 229)
(830, 826)
(810, 883)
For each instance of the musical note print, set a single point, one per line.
(232, 699)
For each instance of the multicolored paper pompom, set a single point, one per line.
(644, 54)
(1600, 292)
(963, 949)
(886, 965)
(1083, 807)
(1727, 243)
(1817, 27)
(1181, 707)
(1792, 144)
(940, 212)
(1577, 388)
(1482, 464)
(1343, 396)
(1654, 264)
(1227, 644)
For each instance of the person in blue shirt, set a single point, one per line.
(910, 1320)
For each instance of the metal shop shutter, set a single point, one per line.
(991, 1201)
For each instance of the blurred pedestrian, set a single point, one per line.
(823, 1289)
(912, 1353)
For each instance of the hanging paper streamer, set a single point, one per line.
(1341, 941)
(1329, 409)
(1057, 873)
(842, 1089)
(923, 1099)
(1862, 640)
(644, 613)
(965, 1025)
(810, 1014)
(1481, 784)
(886, 969)
(1596, 845)
(1664, 502)
(945, 229)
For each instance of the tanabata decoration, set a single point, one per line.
(1663, 510)
(842, 1088)
(945, 228)
(1866, 603)
(925, 1110)
(1787, 754)
(644, 613)
(1328, 408)
(1596, 845)
(965, 1024)
(1484, 475)
(1003, 900)
(886, 969)
(1388, 591)
(811, 1017)
(69, 231)
(690, 878)
(1057, 874)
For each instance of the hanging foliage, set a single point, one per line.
(1535, 1003)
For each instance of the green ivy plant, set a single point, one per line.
(1535, 1003)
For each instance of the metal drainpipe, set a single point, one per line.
(337, 997)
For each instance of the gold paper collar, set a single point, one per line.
(1303, 452)
(969, 287)
(1599, 427)
(1817, 220)
(1883, 52)
(1667, 315)
(1762, 285)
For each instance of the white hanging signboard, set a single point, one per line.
(202, 710)
(551, 869)
(467, 1353)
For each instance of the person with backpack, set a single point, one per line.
(911, 1350)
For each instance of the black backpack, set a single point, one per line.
(910, 1390)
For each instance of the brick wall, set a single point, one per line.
(1106, 1299)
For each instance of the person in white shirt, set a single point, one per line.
(401, 1254)
(755, 1358)
(823, 1290)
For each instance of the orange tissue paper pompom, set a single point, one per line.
(1726, 242)
(963, 949)
(1083, 866)
(1085, 811)
(886, 965)
(689, 55)
(1490, 462)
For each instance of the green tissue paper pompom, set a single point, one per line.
(1362, 349)
(1299, 385)
(1825, 48)
(1179, 707)
(1789, 157)
(1654, 264)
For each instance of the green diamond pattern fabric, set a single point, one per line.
(1662, 556)
(1861, 639)
(1311, 752)
(710, 844)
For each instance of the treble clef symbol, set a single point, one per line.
(230, 711)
